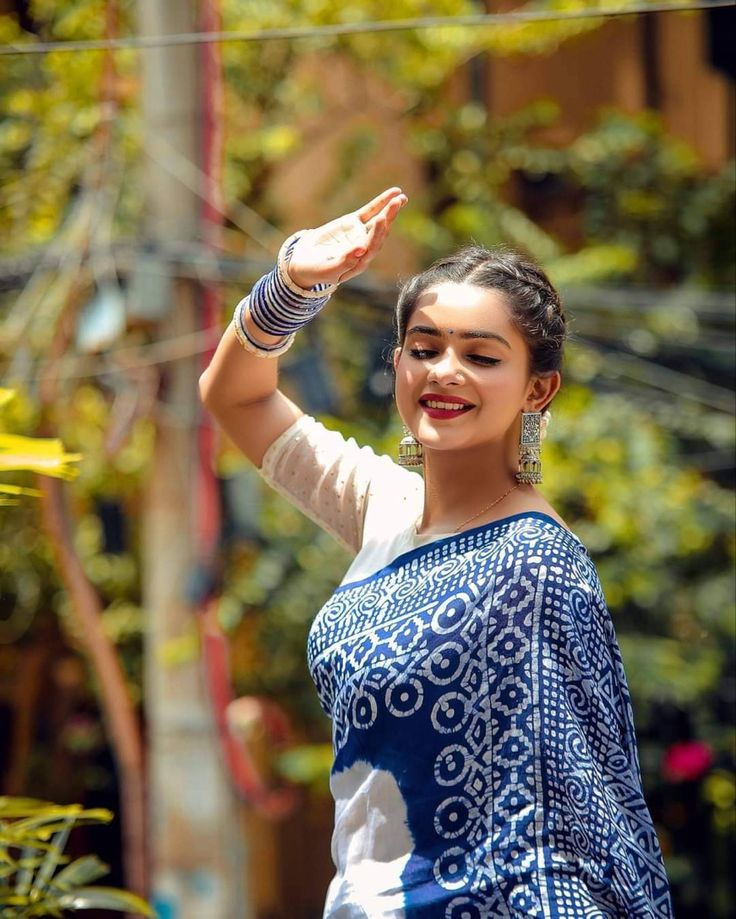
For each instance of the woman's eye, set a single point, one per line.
(423, 354)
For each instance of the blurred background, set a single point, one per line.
(154, 606)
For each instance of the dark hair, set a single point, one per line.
(533, 302)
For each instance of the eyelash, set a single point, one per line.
(423, 354)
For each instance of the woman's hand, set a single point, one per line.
(343, 248)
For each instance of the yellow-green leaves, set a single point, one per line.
(44, 455)
(33, 835)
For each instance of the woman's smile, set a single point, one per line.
(462, 356)
(439, 406)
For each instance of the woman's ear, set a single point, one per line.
(541, 391)
(395, 358)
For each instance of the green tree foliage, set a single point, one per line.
(50, 107)
(648, 192)
(616, 461)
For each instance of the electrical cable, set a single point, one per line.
(664, 378)
(255, 227)
(181, 347)
(196, 261)
(336, 30)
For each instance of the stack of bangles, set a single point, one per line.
(278, 306)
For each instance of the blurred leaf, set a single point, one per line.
(104, 898)
(81, 871)
(42, 455)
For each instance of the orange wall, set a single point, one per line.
(607, 68)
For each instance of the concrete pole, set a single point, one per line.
(195, 841)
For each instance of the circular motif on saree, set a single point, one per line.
(404, 698)
(450, 614)
(452, 817)
(445, 662)
(450, 712)
(463, 908)
(451, 869)
(452, 764)
(516, 749)
(364, 711)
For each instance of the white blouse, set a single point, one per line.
(367, 502)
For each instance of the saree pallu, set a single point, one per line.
(485, 757)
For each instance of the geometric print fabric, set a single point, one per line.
(482, 672)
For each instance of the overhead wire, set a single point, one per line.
(665, 379)
(121, 360)
(255, 227)
(339, 29)
(196, 260)
(268, 237)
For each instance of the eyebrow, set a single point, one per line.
(468, 334)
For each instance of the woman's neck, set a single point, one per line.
(463, 482)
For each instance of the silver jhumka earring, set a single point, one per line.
(530, 444)
(411, 452)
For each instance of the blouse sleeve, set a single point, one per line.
(329, 478)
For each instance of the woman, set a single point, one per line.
(485, 758)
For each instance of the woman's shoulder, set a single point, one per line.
(335, 481)
(536, 537)
(545, 550)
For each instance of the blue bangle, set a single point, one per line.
(278, 306)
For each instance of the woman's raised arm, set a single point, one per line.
(240, 386)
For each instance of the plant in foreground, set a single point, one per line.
(37, 879)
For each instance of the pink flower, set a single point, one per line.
(687, 761)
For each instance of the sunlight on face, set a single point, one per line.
(462, 344)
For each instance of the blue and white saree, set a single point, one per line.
(485, 757)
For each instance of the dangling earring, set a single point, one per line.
(411, 452)
(530, 443)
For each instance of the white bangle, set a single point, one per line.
(249, 343)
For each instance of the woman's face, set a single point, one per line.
(462, 374)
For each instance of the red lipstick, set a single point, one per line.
(437, 405)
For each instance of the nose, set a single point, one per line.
(446, 369)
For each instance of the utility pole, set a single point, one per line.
(195, 842)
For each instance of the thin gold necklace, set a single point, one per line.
(492, 504)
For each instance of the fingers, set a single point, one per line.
(375, 206)
(379, 226)
(360, 258)
(392, 209)
(385, 207)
